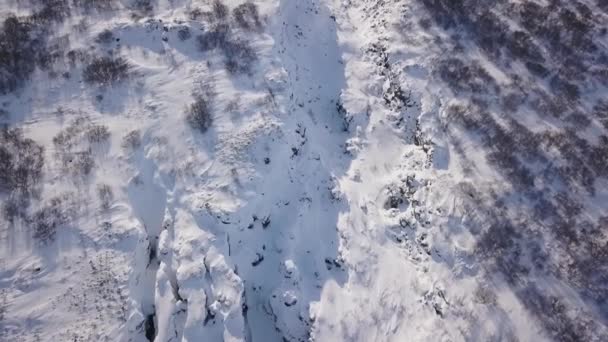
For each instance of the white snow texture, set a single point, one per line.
(292, 170)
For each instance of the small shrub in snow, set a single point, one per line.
(77, 56)
(520, 45)
(78, 163)
(106, 196)
(484, 295)
(23, 44)
(220, 11)
(98, 134)
(47, 219)
(83, 162)
(106, 71)
(13, 207)
(247, 17)
(579, 120)
(70, 136)
(195, 14)
(565, 89)
(233, 106)
(51, 11)
(461, 76)
(6, 168)
(215, 38)
(240, 56)
(132, 140)
(199, 115)
(600, 111)
(21, 162)
(17, 54)
(533, 15)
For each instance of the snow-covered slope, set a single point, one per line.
(303, 170)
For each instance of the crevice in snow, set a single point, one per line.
(149, 200)
(150, 327)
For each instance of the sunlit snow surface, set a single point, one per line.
(370, 170)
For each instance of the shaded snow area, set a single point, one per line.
(303, 170)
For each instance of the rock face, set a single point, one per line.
(310, 170)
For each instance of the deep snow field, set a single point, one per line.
(304, 170)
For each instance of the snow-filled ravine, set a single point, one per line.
(303, 170)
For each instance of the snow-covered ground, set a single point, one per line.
(342, 187)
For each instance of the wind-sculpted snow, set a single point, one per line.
(310, 170)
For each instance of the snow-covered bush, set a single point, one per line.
(75, 143)
(247, 17)
(215, 37)
(77, 163)
(77, 56)
(600, 111)
(462, 76)
(45, 221)
(82, 163)
(6, 168)
(71, 136)
(106, 195)
(21, 162)
(21, 166)
(132, 140)
(17, 53)
(98, 134)
(24, 43)
(195, 14)
(238, 53)
(563, 88)
(240, 56)
(219, 10)
(51, 11)
(199, 114)
(106, 71)
(14, 206)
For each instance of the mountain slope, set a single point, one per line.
(315, 170)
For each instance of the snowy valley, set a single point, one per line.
(303, 170)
